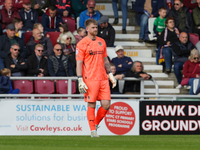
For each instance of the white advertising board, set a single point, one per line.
(33, 117)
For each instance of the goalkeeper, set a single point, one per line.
(92, 69)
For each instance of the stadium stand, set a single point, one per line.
(70, 22)
(44, 86)
(24, 86)
(62, 87)
(53, 37)
(27, 36)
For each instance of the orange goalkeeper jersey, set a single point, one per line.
(92, 54)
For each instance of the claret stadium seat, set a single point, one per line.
(70, 22)
(25, 86)
(53, 37)
(44, 87)
(62, 87)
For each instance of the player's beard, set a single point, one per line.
(94, 33)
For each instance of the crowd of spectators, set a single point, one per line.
(39, 57)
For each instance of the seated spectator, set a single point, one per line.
(80, 34)
(28, 15)
(159, 23)
(146, 9)
(89, 13)
(124, 13)
(63, 27)
(6, 41)
(181, 50)
(39, 39)
(64, 7)
(115, 90)
(41, 28)
(5, 83)
(182, 16)
(8, 13)
(167, 38)
(18, 27)
(196, 18)
(191, 69)
(78, 6)
(133, 87)
(18, 4)
(106, 31)
(122, 63)
(40, 6)
(15, 62)
(69, 50)
(37, 63)
(59, 64)
(51, 19)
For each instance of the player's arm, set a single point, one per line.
(81, 85)
(107, 66)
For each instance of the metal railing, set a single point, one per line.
(70, 95)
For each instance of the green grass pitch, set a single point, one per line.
(142, 142)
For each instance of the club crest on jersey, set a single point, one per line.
(100, 43)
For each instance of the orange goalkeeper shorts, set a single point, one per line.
(97, 90)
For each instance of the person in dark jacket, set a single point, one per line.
(59, 64)
(6, 41)
(133, 87)
(8, 13)
(37, 63)
(51, 19)
(28, 15)
(106, 31)
(15, 62)
(64, 7)
(167, 38)
(40, 6)
(181, 51)
(78, 6)
(182, 16)
(5, 83)
(122, 63)
(196, 18)
(146, 9)
(39, 39)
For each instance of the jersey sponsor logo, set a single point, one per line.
(91, 52)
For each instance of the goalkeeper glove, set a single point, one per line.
(112, 79)
(82, 87)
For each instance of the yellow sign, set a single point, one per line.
(100, 7)
(131, 54)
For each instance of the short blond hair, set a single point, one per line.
(39, 45)
(5, 71)
(36, 25)
(90, 21)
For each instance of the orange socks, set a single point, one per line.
(91, 118)
(100, 115)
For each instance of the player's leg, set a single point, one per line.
(91, 115)
(91, 97)
(104, 96)
(105, 105)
